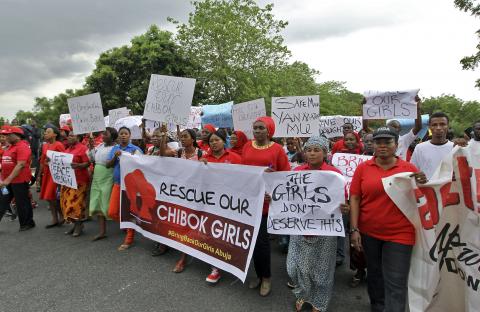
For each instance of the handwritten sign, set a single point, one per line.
(394, 105)
(64, 119)
(133, 123)
(219, 115)
(87, 113)
(347, 164)
(60, 166)
(245, 114)
(116, 114)
(305, 203)
(169, 99)
(296, 116)
(331, 126)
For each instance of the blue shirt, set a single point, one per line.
(130, 148)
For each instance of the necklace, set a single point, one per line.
(255, 145)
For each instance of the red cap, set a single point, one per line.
(16, 130)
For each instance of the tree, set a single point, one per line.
(471, 62)
(234, 43)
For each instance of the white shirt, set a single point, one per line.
(404, 142)
(427, 156)
(101, 154)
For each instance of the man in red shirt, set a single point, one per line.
(15, 177)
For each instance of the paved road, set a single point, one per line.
(44, 270)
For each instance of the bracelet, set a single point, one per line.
(352, 230)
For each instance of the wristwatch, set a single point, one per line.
(354, 230)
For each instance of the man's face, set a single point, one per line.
(439, 128)
(476, 131)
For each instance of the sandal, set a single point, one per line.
(299, 304)
(179, 267)
(123, 247)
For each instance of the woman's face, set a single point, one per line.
(186, 139)
(107, 137)
(49, 134)
(156, 137)
(314, 155)
(384, 147)
(216, 143)
(124, 136)
(72, 138)
(368, 142)
(260, 132)
(350, 141)
(233, 139)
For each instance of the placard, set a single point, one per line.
(116, 114)
(331, 126)
(347, 164)
(305, 203)
(296, 116)
(60, 166)
(390, 105)
(244, 115)
(169, 99)
(219, 115)
(87, 113)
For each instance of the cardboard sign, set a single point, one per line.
(116, 114)
(87, 113)
(347, 164)
(207, 211)
(390, 105)
(331, 126)
(245, 114)
(219, 115)
(296, 116)
(60, 166)
(305, 203)
(169, 99)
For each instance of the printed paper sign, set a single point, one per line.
(60, 166)
(390, 105)
(211, 212)
(219, 115)
(245, 114)
(87, 113)
(444, 270)
(347, 164)
(331, 126)
(296, 116)
(305, 203)
(169, 99)
(116, 114)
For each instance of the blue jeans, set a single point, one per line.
(388, 264)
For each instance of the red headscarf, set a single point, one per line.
(209, 127)
(358, 149)
(241, 140)
(269, 123)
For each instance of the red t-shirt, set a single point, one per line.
(227, 158)
(19, 151)
(379, 216)
(273, 157)
(56, 146)
(339, 147)
(79, 152)
(203, 146)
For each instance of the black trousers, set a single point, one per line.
(19, 191)
(388, 264)
(261, 253)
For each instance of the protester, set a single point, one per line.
(311, 259)
(16, 176)
(72, 201)
(291, 148)
(102, 181)
(114, 161)
(428, 155)
(48, 190)
(340, 146)
(379, 227)
(203, 142)
(218, 154)
(476, 131)
(263, 152)
(238, 139)
(64, 131)
(368, 144)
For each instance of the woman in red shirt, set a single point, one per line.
(48, 190)
(387, 236)
(72, 201)
(262, 151)
(203, 142)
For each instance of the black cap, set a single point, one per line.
(385, 133)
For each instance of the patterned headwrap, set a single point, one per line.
(319, 141)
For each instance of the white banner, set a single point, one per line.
(60, 166)
(116, 114)
(331, 126)
(211, 212)
(245, 114)
(87, 114)
(296, 116)
(386, 105)
(305, 203)
(347, 164)
(169, 99)
(445, 265)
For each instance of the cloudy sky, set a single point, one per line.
(51, 45)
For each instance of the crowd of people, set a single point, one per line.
(381, 237)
